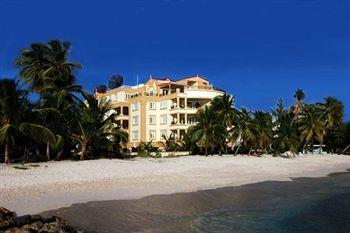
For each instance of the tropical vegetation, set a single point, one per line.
(47, 115)
(297, 129)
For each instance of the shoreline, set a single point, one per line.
(55, 185)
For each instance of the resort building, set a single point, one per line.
(159, 107)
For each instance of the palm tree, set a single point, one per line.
(146, 149)
(333, 112)
(57, 114)
(45, 67)
(312, 127)
(285, 134)
(170, 143)
(209, 132)
(13, 117)
(300, 97)
(223, 105)
(263, 122)
(235, 131)
(248, 129)
(95, 123)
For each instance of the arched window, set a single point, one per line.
(151, 91)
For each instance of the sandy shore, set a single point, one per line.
(59, 184)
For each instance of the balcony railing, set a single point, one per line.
(173, 107)
(189, 122)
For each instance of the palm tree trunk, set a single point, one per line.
(48, 151)
(304, 147)
(346, 148)
(83, 151)
(7, 154)
(26, 154)
(238, 147)
(250, 150)
(60, 154)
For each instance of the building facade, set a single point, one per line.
(159, 107)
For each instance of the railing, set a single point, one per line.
(189, 122)
(183, 107)
(200, 88)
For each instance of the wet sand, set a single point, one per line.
(304, 205)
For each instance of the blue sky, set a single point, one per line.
(257, 50)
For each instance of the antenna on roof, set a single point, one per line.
(137, 80)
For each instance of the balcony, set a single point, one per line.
(191, 121)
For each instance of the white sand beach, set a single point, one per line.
(59, 184)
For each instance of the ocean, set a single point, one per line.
(319, 205)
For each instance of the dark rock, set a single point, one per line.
(12, 230)
(6, 218)
(10, 223)
(36, 226)
(53, 227)
(23, 220)
(36, 218)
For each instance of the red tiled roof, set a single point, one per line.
(172, 80)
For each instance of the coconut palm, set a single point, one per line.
(235, 131)
(57, 114)
(45, 67)
(300, 97)
(209, 132)
(248, 129)
(264, 126)
(14, 117)
(285, 134)
(333, 112)
(312, 127)
(95, 123)
(223, 105)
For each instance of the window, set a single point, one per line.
(163, 133)
(152, 120)
(135, 120)
(163, 119)
(135, 106)
(114, 97)
(165, 91)
(151, 91)
(152, 105)
(135, 135)
(125, 111)
(125, 124)
(152, 135)
(163, 105)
